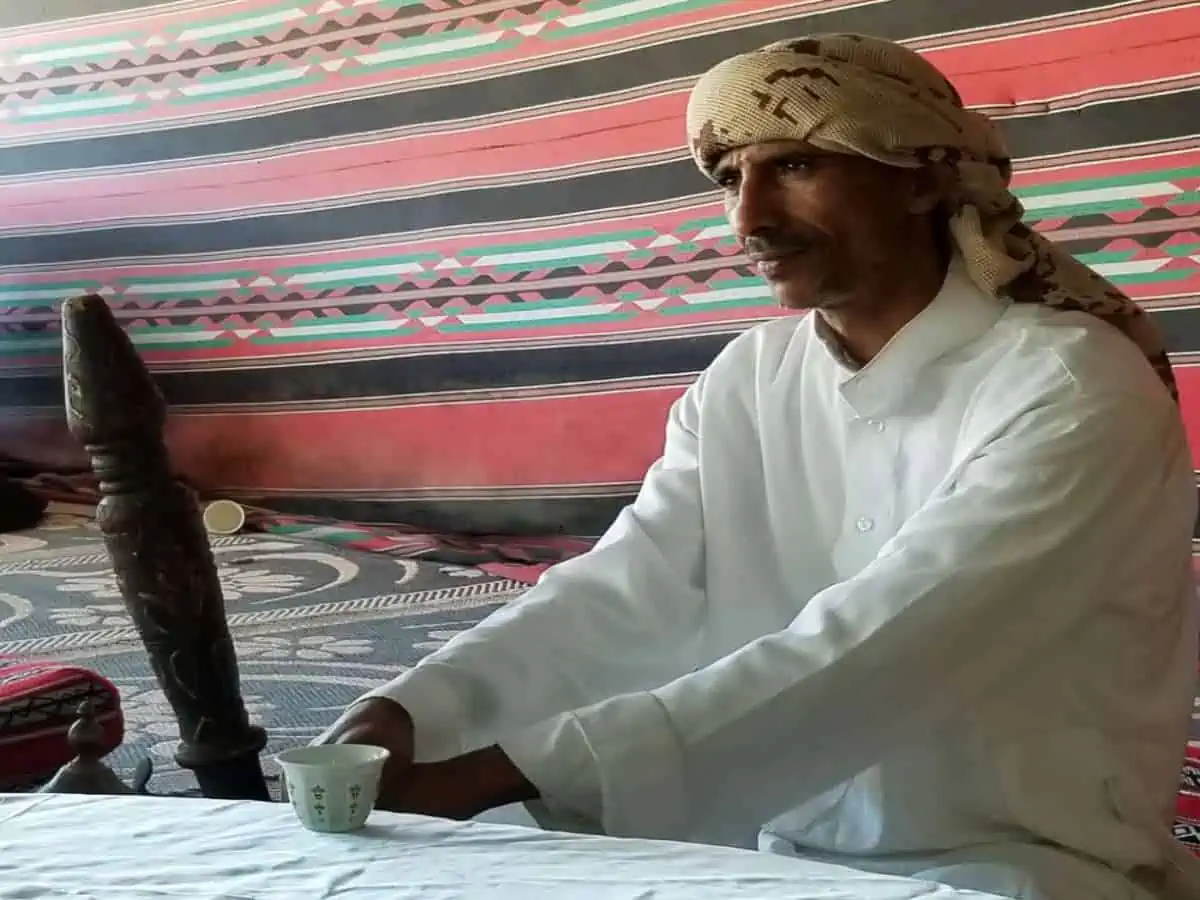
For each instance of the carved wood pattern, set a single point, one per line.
(155, 537)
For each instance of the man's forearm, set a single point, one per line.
(494, 778)
(461, 787)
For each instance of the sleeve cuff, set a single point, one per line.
(439, 720)
(555, 757)
(618, 763)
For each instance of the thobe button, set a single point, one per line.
(864, 524)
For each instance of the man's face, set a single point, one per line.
(822, 228)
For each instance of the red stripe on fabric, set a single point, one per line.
(1188, 379)
(1137, 163)
(526, 442)
(1072, 60)
(563, 440)
(1149, 290)
(544, 441)
(510, 150)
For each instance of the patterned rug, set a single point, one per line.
(315, 625)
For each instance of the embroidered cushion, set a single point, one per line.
(1187, 804)
(38, 703)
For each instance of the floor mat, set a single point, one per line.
(315, 625)
(518, 557)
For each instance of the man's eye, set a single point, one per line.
(795, 164)
(727, 182)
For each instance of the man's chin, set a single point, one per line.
(795, 297)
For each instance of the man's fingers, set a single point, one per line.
(359, 733)
(336, 733)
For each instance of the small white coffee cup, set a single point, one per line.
(333, 787)
(224, 517)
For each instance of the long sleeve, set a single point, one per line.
(619, 618)
(998, 565)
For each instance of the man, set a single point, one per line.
(910, 588)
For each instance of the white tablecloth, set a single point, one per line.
(138, 848)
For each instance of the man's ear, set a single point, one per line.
(931, 186)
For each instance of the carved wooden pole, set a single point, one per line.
(155, 537)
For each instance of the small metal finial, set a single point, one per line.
(86, 774)
(86, 736)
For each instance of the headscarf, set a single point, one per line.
(847, 93)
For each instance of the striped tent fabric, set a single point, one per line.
(447, 263)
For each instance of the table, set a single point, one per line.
(137, 848)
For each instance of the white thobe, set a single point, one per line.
(908, 614)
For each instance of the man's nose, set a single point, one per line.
(754, 208)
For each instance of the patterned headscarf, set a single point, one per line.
(846, 93)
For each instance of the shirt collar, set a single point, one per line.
(959, 314)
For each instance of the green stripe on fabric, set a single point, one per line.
(1080, 209)
(45, 293)
(531, 306)
(240, 84)
(1088, 184)
(76, 105)
(16, 344)
(1152, 277)
(254, 22)
(607, 237)
(292, 334)
(701, 224)
(690, 308)
(370, 262)
(92, 51)
(603, 15)
(1104, 256)
(530, 324)
(420, 51)
(327, 533)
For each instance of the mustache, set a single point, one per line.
(778, 244)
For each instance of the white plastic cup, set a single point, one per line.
(333, 787)
(224, 517)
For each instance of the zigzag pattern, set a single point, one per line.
(689, 264)
(338, 36)
(1187, 832)
(58, 706)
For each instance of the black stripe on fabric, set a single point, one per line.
(19, 13)
(406, 376)
(569, 81)
(536, 199)
(533, 199)
(1180, 328)
(577, 516)
(1138, 121)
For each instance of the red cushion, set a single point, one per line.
(38, 703)
(1187, 805)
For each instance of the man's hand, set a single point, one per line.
(457, 788)
(378, 722)
(461, 787)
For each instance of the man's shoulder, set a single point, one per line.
(1070, 365)
(1093, 355)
